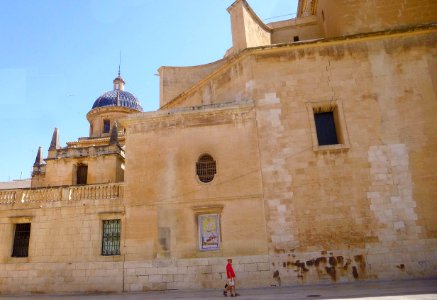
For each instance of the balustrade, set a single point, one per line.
(7, 196)
(95, 192)
(70, 193)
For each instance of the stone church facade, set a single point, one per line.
(307, 154)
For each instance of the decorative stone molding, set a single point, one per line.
(110, 215)
(192, 116)
(77, 149)
(20, 219)
(209, 209)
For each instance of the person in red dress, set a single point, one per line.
(230, 274)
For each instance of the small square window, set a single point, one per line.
(328, 125)
(296, 38)
(111, 237)
(106, 126)
(325, 127)
(21, 240)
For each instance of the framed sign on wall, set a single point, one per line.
(209, 232)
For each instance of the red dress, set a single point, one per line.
(230, 271)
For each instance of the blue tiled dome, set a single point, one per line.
(118, 98)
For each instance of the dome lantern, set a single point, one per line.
(119, 82)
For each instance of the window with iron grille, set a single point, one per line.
(111, 237)
(21, 240)
(206, 168)
(325, 127)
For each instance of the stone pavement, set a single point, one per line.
(382, 290)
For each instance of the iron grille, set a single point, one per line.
(111, 237)
(21, 240)
(325, 126)
(206, 168)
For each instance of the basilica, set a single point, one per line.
(306, 154)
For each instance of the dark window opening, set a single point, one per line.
(82, 172)
(323, 16)
(296, 38)
(206, 168)
(106, 126)
(111, 237)
(325, 127)
(21, 240)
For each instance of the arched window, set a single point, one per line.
(206, 168)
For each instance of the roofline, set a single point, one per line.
(393, 33)
(219, 109)
(252, 13)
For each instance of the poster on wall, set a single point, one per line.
(209, 232)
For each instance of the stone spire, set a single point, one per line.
(38, 159)
(113, 140)
(39, 167)
(55, 140)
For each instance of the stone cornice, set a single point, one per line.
(86, 152)
(105, 109)
(94, 142)
(322, 42)
(192, 116)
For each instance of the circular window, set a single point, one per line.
(206, 168)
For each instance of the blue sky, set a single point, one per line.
(58, 56)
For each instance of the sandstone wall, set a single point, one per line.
(247, 29)
(64, 253)
(226, 85)
(101, 169)
(164, 192)
(197, 273)
(291, 211)
(368, 201)
(175, 80)
(346, 17)
(304, 28)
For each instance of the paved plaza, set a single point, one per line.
(380, 290)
